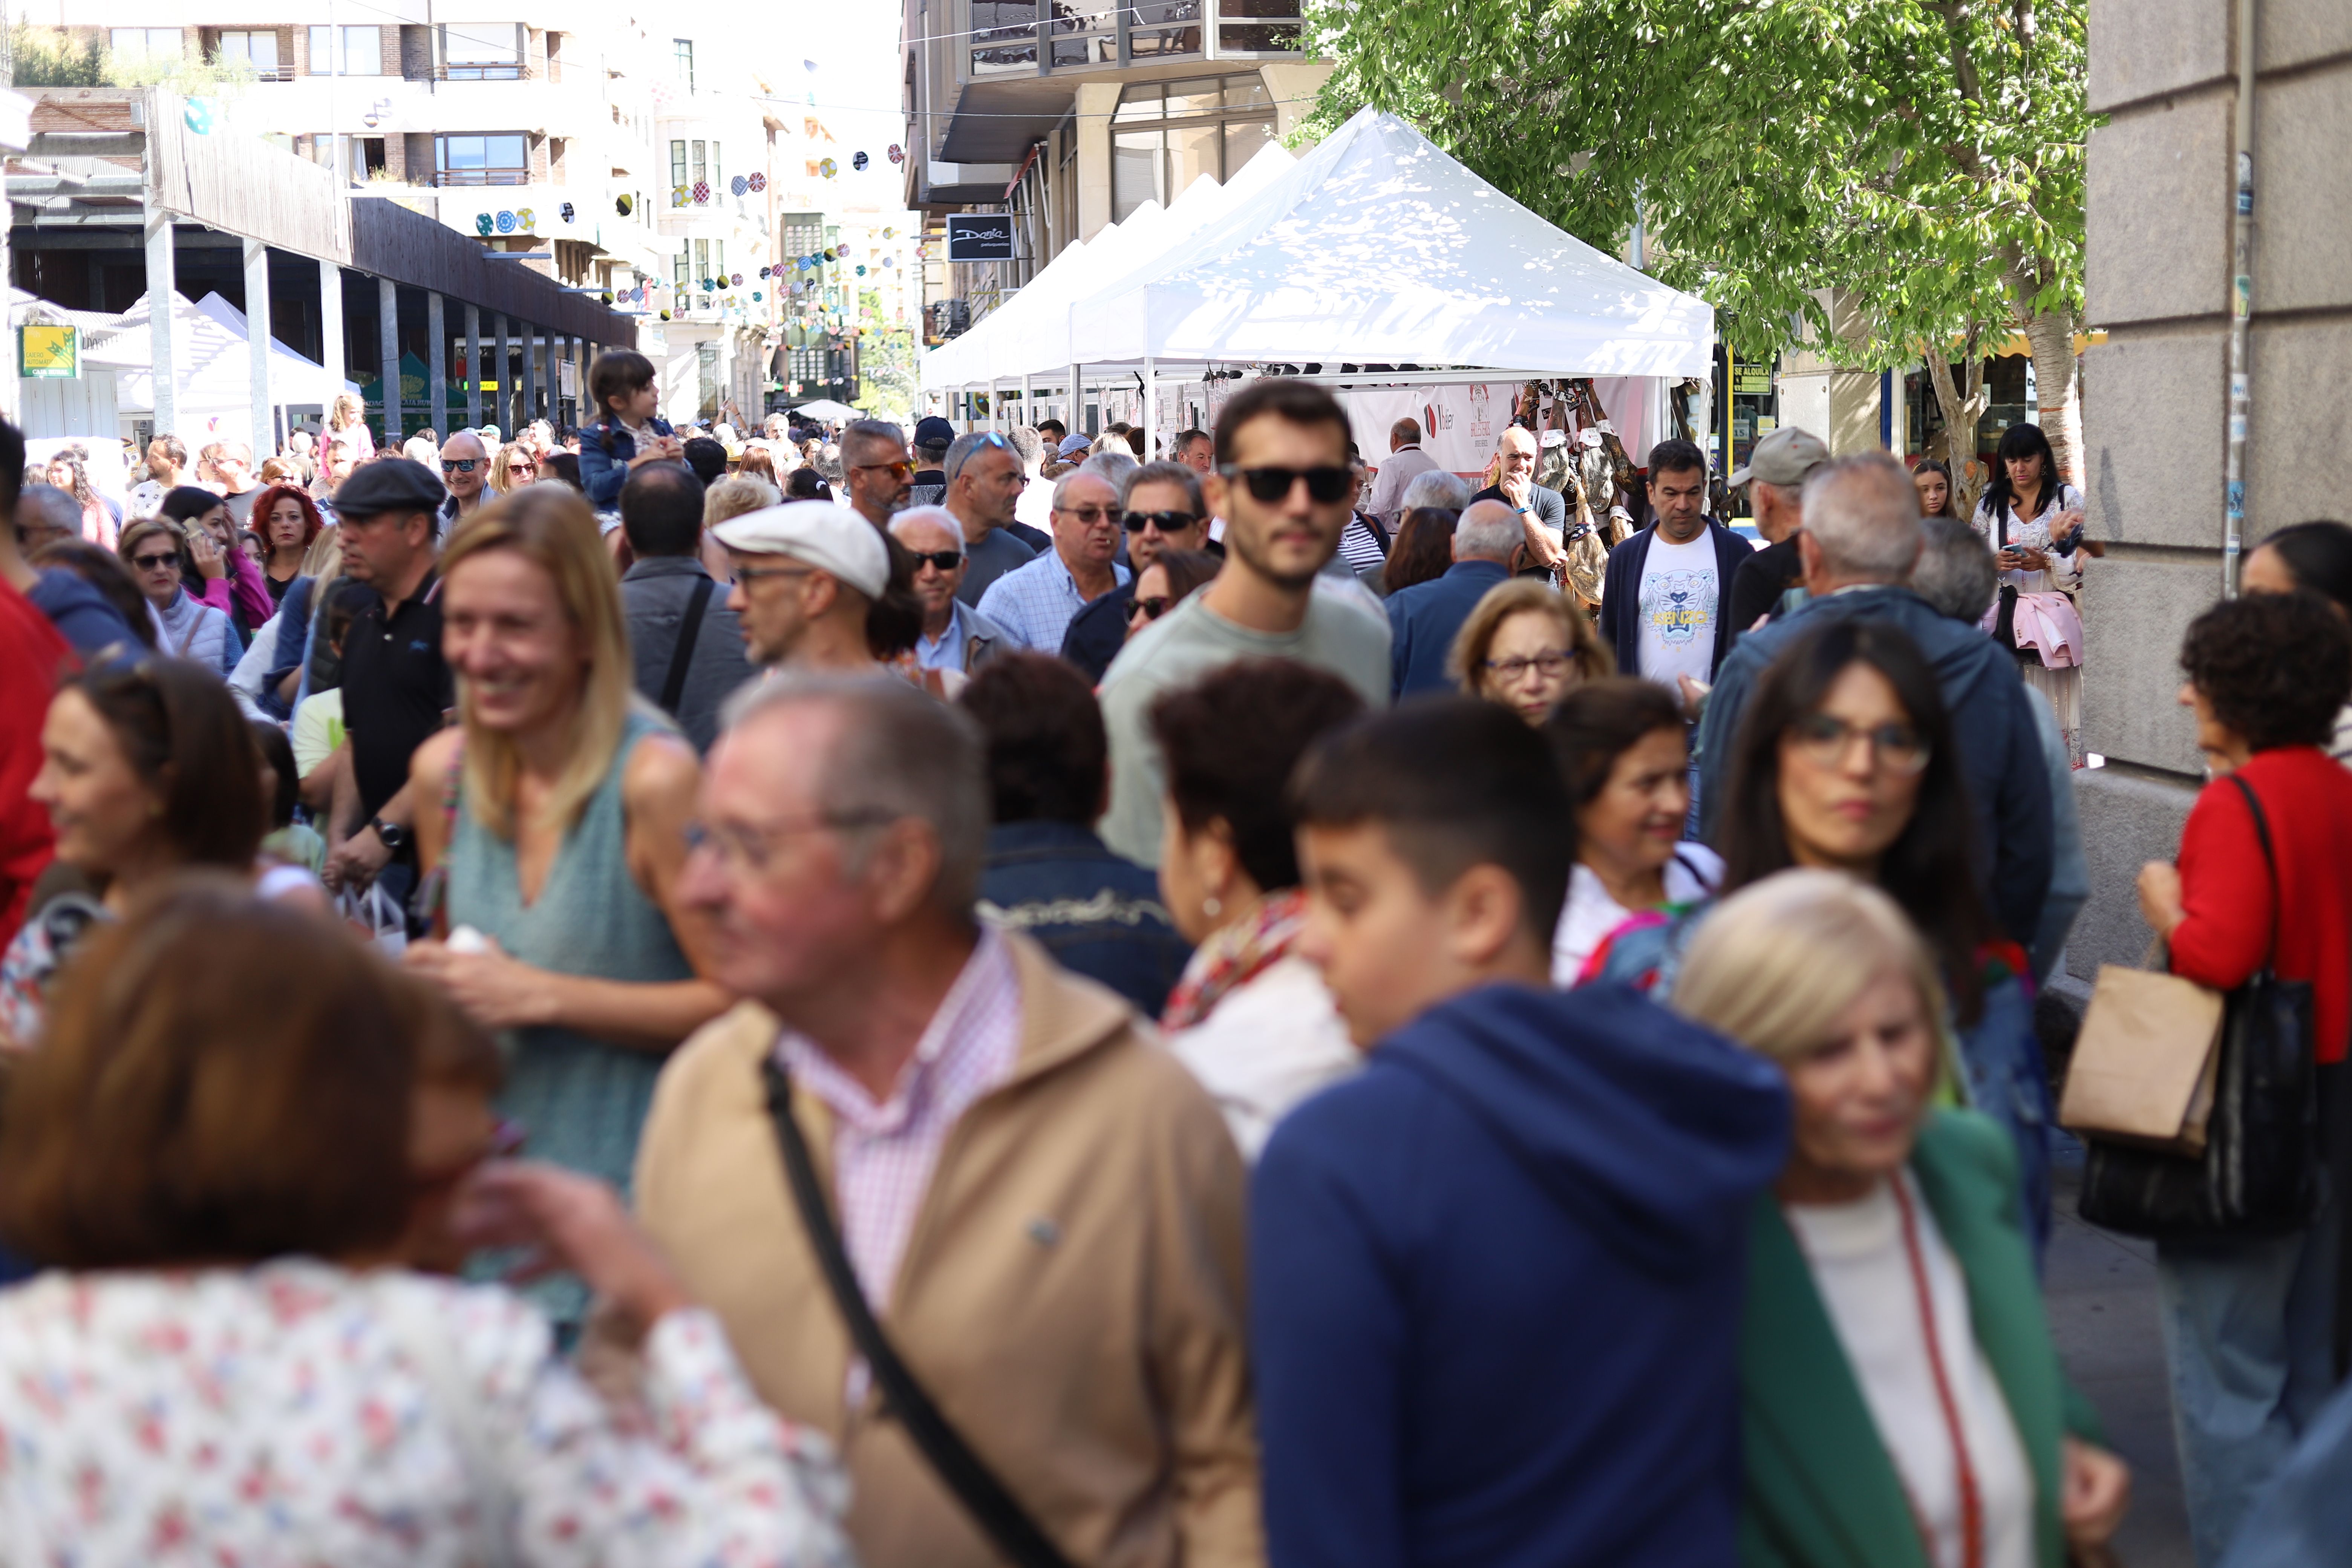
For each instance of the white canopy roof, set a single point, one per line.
(1377, 247)
(210, 363)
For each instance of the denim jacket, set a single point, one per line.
(1100, 915)
(605, 449)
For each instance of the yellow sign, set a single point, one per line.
(48, 353)
(1751, 383)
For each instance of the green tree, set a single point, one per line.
(1926, 158)
(886, 371)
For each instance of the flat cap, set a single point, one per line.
(824, 534)
(389, 484)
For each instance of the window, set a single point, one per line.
(498, 160)
(706, 364)
(685, 57)
(697, 163)
(677, 163)
(1165, 135)
(143, 43)
(1004, 33)
(257, 48)
(702, 261)
(346, 51)
(1258, 27)
(481, 52)
(681, 274)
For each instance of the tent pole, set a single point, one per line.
(1150, 406)
(993, 423)
(1077, 400)
(1026, 409)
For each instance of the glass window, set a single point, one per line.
(698, 164)
(1247, 91)
(346, 51)
(1258, 27)
(682, 270)
(144, 43)
(717, 179)
(257, 48)
(1189, 98)
(678, 163)
(498, 160)
(1004, 35)
(1134, 159)
(1165, 29)
(684, 55)
(1138, 103)
(481, 52)
(1243, 139)
(1192, 152)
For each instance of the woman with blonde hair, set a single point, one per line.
(1524, 646)
(555, 857)
(1901, 1399)
(513, 467)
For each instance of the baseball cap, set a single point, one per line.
(1784, 456)
(934, 431)
(389, 484)
(825, 534)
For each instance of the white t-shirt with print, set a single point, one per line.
(1681, 605)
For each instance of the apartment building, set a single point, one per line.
(1070, 114)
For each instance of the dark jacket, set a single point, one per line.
(1097, 632)
(654, 594)
(1494, 1290)
(605, 452)
(1425, 618)
(1098, 913)
(83, 616)
(1620, 594)
(1992, 730)
(1763, 580)
(1822, 1491)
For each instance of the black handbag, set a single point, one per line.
(992, 1505)
(2260, 1173)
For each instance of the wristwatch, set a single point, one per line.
(393, 834)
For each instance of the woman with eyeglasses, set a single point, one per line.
(553, 865)
(247, 1155)
(187, 628)
(514, 467)
(1171, 578)
(147, 769)
(1523, 646)
(1845, 761)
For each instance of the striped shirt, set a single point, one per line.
(884, 1154)
(1036, 601)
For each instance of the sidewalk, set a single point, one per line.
(2101, 1290)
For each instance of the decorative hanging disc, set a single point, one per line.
(625, 205)
(680, 196)
(483, 224)
(738, 185)
(759, 182)
(566, 210)
(756, 295)
(505, 222)
(897, 154)
(828, 168)
(737, 279)
(857, 160)
(861, 270)
(701, 192)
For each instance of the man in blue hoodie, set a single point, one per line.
(1861, 539)
(1496, 1278)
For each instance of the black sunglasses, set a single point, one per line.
(1325, 481)
(1165, 521)
(945, 559)
(154, 562)
(1153, 608)
(458, 465)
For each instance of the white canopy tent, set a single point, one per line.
(1377, 248)
(215, 381)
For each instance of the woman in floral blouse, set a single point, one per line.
(233, 1361)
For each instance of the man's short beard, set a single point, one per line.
(1291, 583)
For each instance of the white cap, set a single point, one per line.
(825, 534)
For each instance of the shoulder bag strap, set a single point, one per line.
(2270, 859)
(682, 655)
(983, 1496)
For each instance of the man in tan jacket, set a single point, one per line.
(1042, 1207)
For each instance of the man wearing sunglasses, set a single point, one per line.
(876, 473)
(1035, 603)
(1283, 485)
(955, 635)
(1161, 509)
(465, 473)
(984, 484)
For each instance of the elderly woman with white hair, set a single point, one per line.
(1902, 1402)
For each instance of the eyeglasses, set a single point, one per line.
(945, 559)
(1089, 515)
(1552, 662)
(753, 574)
(524, 467)
(1165, 521)
(899, 471)
(752, 849)
(1153, 608)
(458, 465)
(1824, 739)
(155, 563)
(1325, 481)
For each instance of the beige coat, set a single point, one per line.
(1071, 1292)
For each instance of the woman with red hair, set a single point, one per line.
(288, 521)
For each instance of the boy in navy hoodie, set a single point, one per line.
(1496, 1278)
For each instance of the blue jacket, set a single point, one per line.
(85, 617)
(1494, 1290)
(1620, 594)
(1423, 620)
(1098, 913)
(605, 452)
(1993, 730)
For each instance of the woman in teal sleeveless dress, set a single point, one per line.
(557, 849)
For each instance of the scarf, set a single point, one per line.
(1234, 956)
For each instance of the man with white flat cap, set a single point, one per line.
(805, 575)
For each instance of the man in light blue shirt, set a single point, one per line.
(1035, 603)
(955, 635)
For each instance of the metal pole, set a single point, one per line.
(1077, 398)
(387, 309)
(1028, 414)
(256, 350)
(554, 386)
(1150, 405)
(529, 409)
(330, 337)
(436, 366)
(162, 292)
(2241, 305)
(505, 380)
(473, 366)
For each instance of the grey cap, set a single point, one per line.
(389, 484)
(1784, 456)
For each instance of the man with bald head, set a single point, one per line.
(1861, 539)
(1542, 511)
(1425, 618)
(465, 473)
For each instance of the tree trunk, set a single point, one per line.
(1963, 409)
(2050, 336)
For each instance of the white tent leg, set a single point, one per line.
(1150, 407)
(1077, 410)
(1028, 414)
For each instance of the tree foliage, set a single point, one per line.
(1926, 157)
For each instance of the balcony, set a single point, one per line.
(482, 177)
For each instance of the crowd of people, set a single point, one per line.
(955, 997)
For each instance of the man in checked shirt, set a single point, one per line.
(1043, 1208)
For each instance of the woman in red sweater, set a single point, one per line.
(2249, 1323)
